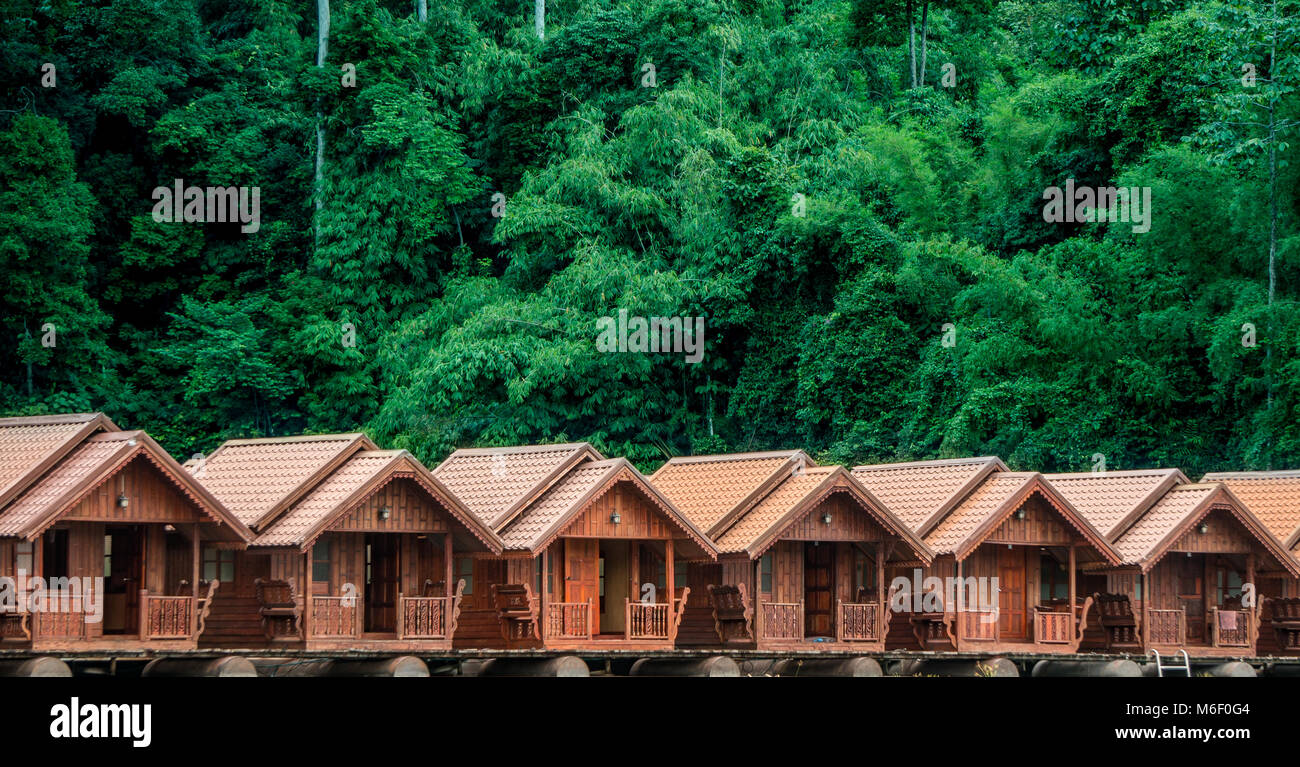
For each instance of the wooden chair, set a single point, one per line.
(934, 626)
(733, 615)
(279, 608)
(1118, 621)
(516, 610)
(1285, 620)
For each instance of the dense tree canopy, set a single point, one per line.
(850, 194)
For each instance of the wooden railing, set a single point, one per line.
(59, 625)
(980, 625)
(1053, 627)
(569, 620)
(165, 617)
(646, 620)
(1167, 627)
(423, 617)
(334, 616)
(781, 620)
(1230, 637)
(859, 622)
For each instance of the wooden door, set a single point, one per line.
(1011, 593)
(818, 589)
(124, 568)
(1189, 579)
(383, 579)
(581, 575)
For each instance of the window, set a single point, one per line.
(55, 564)
(1055, 582)
(680, 574)
(24, 557)
(108, 556)
(465, 570)
(1227, 584)
(765, 574)
(218, 565)
(864, 572)
(320, 561)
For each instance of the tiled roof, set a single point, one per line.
(921, 492)
(989, 504)
(30, 445)
(537, 524)
(363, 473)
(97, 458)
(1112, 500)
(1177, 510)
(495, 483)
(712, 489)
(795, 496)
(257, 478)
(1272, 496)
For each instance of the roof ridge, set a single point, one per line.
(331, 437)
(930, 462)
(1110, 473)
(545, 447)
(721, 457)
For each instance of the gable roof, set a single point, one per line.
(87, 466)
(1177, 511)
(1113, 500)
(546, 518)
(921, 493)
(715, 490)
(356, 479)
(258, 479)
(1272, 496)
(794, 498)
(30, 445)
(496, 483)
(989, 505)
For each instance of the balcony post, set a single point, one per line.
(669, 575)
(1073, 616)
(309, 622)
(196, 554)
(1250, 611)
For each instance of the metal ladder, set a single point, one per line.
(1186, 667)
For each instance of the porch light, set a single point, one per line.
(1020, 513)
(169, 528)
(826, 518)
(123, 501)
(384, 513)
(615, 517)
(1203, 528)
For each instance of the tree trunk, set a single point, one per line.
(422, 11)
(539, 18)
(322, 46)
(911, 42)
(925, 22)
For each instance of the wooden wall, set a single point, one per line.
(638, 518)
(152, 498)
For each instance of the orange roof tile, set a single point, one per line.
(495, 483)
(712, 490)
(989, 504)
(922, 492)
(1113, 500)
(795, 497)
(31, 444)
(258, 478)
(356, 479)
(1177, 511)
(95, 460)
(545, 518)
(1272, 496)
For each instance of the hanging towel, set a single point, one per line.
(1227, 620)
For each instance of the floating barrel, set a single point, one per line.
(230, 665)
(563, 665)
(994, 667)
(715, 665)
(42, 666)
(1112, 668)
(859, 665)
(404, 665)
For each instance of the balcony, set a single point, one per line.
(568, 620)
(861, 622)
(335, 617)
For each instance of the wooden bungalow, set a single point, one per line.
(1274, 498)
(101, 538)
(594, 552)
(1008, 548)
(354, 548)
(803, 551)
(1189, 549)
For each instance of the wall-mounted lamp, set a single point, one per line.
(1020, 513)
(169, 528)
(384, 513)
(1203, 528)
(615, 517)
(826, 518)
(123, 501)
